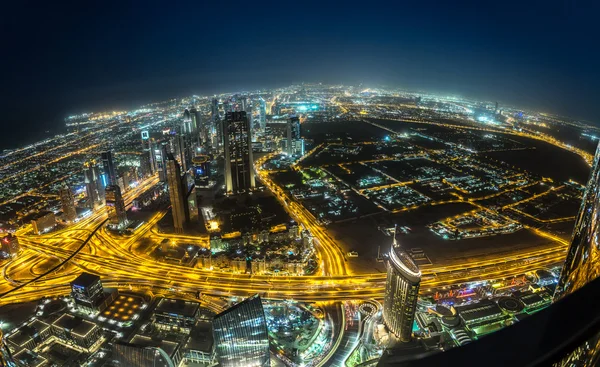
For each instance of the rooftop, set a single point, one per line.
(482, 309)
(177, 307)
(76, 325)
(85, 279)
(144, 341)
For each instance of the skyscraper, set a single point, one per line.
(160, 159)
(293, 135)
(239, 170)
(109, 168)
(240, 335)
(582, 264)
(263, 115)
(67, 202)
(401, 291)
(177, 193)
(117, 215)
(93, 188)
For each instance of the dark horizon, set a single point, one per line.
(72, 57)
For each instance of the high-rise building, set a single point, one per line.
(93, 187)
(160, 151)
(67, 202)
(117, 214)
(239, 164)
(293, 140)
(582, 264)
(87, 291)
(240, 335)
(177, 192)
(263, 115)
(146, 163)
(401, 291)
(109, 168)
(9, 246)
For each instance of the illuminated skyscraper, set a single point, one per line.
(293, 140)
(109, 168)
(582, 264)
(401, 291)
(93, 187)
(67, 202)
(240, 335)
(177, 193)
(239, 170)
(263, 115)
(117, 215)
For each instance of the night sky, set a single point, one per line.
(60, 58)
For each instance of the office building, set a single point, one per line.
(75, 330)
(87, 291)
(263, 115)
(117, 215)
(582, 264)
(175, 315)
(239, 164)
(240, 335)
(177, 192)
(93, 187)
(30, 335)
(146, 163)
(67, 202)
(160, 160)
(9, 246)
(109, 168)
(43, 222)
(401, 291)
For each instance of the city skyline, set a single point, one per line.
(311, 224)
(508, 52)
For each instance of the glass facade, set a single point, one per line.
(582, 264)
(239, 170)
(401, 292)
(240, 335)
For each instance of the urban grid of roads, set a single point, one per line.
(90, 246)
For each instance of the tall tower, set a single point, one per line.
(582, 264)
(109, 168)
(263, 115)
(239, 170)
(67, 202)
(117, 214)
(293, 134)
(92, 183)
(177, 192)
(240, 335)
(401, 291)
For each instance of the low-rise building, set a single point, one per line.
(175, 315)
(82, 333)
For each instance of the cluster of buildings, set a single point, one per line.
(172, 332)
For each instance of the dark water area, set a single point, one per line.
(20, 135)
(546, 160)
